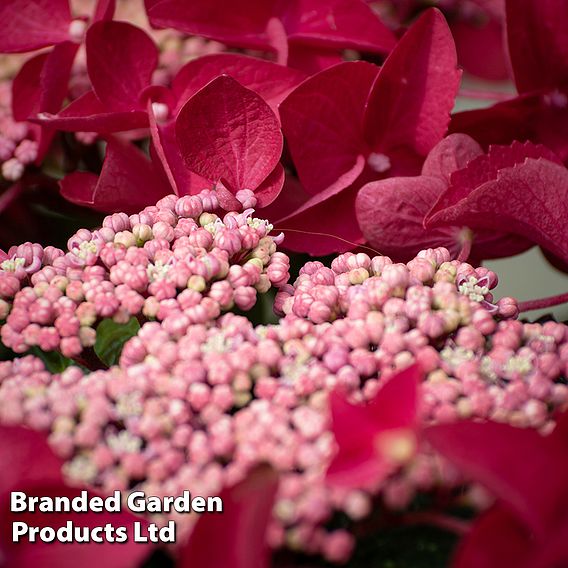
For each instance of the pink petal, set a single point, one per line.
(538, 43)
(88, 114)
(495, 455)
(42, 83)
(237, 537)
(341, 23)
(26, 25)
(271, 81)
(121, 59)
(243, 25)
(127, 182)
(497, 540)
(410, 103)
(227, 132)
(322, 120)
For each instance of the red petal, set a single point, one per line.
(88, 114)
(165, 149)
(271, 187)
(391, 214)
(312, 60)
(554, 552)
(104, 10)
(227, 132)
(495, 455)
(271, 81)
(538, 43)
(501, 123)
(322, 121)
(121, 59)
(79, 188)
(341, 23)
(410, 103)
(358, 462)
(42, 83)
(35, 470)
(237, 537)
(24, 554)
(497, 540)
(26, 25)
(486, 168)
(243, 25)
(480, 47)
(290, 199)
(453, 153)
(324, 224)
(30, 458)
(530, 199)
(128, 182)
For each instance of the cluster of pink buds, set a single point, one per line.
(18, 147)
(356, 284)
(198, 404)
(175, 261)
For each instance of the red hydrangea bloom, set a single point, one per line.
(308, 33)
(376, 438)
(523, 187)
(353, 123)
(392, 212)
(538, 48)
(527, 473)
(178, 160)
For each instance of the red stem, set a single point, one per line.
(542, 303)
(10, 195)
(484, 95)
(440, 520)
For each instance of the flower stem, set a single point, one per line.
(542, 303)
(439, 520)
(484, 95)
(10, 195)
(466, 238)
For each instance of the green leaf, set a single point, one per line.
(111, 337)
(53, 360)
